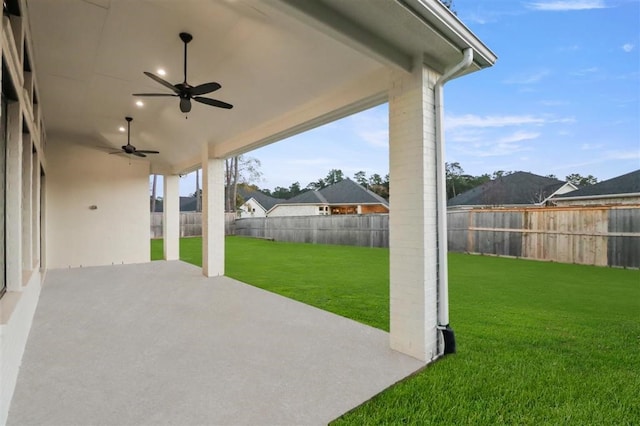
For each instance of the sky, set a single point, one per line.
(563, 97)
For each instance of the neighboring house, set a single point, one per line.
(624, 189)
(344, 197)
(515, 189)
(257, 204)
(187, 204)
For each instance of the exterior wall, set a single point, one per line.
(22, 213)
(252, 209)
(117, 231)
(294, 210)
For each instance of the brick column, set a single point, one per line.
(212, 215)
(412, 219)
(171, 217)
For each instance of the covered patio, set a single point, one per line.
(109, 347)
(69, 69)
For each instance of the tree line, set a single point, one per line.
(245, 170)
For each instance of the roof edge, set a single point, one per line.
(451, 28)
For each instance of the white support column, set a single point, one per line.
(27, 211)
(412, 217)
(171, 217)
(13, 210)
(212, 215)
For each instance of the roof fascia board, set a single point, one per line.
(594, 197)
(434, 14)
(348, 32)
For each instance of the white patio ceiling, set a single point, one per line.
(285, 66)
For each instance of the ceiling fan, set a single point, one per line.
(130, 149)
(184, 90)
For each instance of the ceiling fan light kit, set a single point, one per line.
(184, 90)
(130, 149)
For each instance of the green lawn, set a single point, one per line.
(538, 343)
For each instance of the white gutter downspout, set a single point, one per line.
(443, 281)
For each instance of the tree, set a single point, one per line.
(295, 189)
(375, 179)
(500, 173)
(552, 176)
(153, 193)
(239, 169)
(334, 176)
(319, 184)
(361, 178)
(453, 173)
(579, 180)
(198, 193)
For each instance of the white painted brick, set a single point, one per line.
(412, 239)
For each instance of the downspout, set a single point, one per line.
(441, 180)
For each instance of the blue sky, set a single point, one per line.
(564, 97)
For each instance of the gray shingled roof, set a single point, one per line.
(309, 197)
(350, 192)
(514, 189)
(187, 204)
(265, 200)
(625, 184)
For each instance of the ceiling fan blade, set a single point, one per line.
(213, 102)
(205, 88)
(138, 154)
(154, 94)
(146, 151)
(185, 104)
(161, 81)
(116, 152)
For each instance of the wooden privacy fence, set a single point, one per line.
(370, 230)
(604, 236)
(190, 224)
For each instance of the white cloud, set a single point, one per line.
(564, 5)
(519, 136)
(471, 120)
(627, 47)
(528, 78)
(372, 127)
(376, 138)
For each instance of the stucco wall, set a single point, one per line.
(294, 210)
(118, 230)
(252, 209)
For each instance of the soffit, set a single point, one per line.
(282, 74)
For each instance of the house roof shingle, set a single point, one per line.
(349, 192)
(513, 189)
(265, 200)
(628, 183)
(309, 197)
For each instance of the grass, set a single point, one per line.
(538, 343)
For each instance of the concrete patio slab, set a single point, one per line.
(159, 343)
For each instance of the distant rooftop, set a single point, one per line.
(625, 184)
